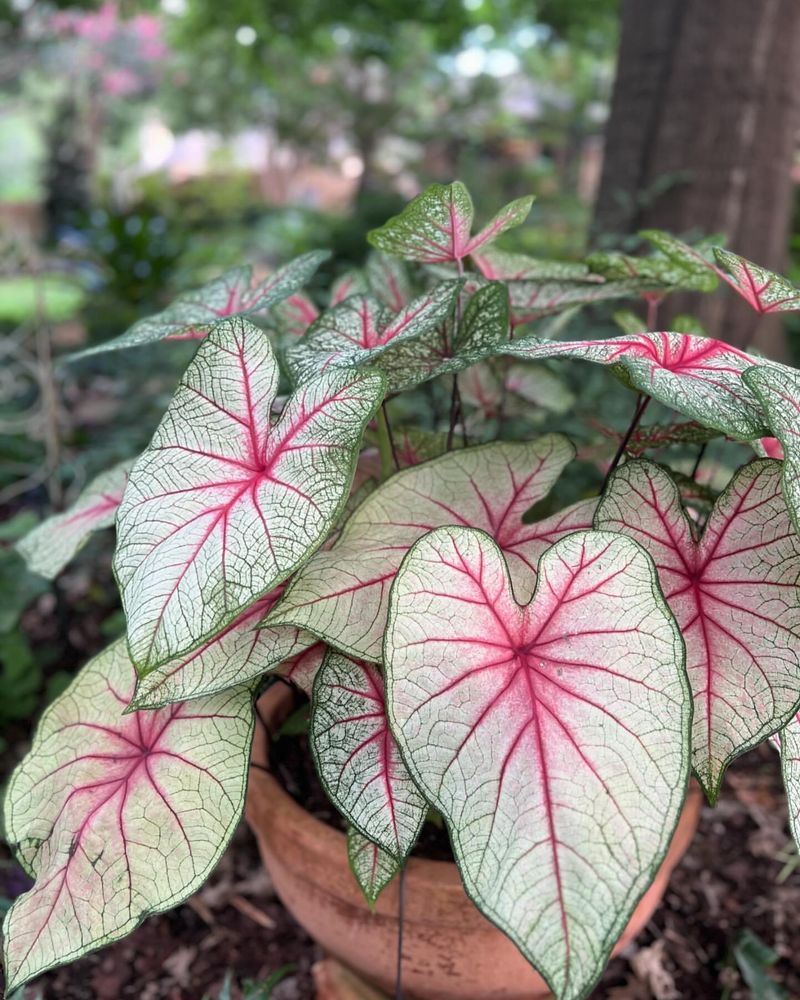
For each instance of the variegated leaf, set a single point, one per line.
(348, 284)
(660, 272)
(553, 737)
(388, 280)
(302, 668)
(531, 300)
(435, 227)
(734, 594)
(372, 867)
(764, 290)
(699, 377)
(777, 388)
(499, 265)
(223, 505)
(240, 653)
(118, 816)
(294, 315)
(360, 332)
(50, 546)
(444, 349)
(195, 313)
(357, 757)
(342, 594)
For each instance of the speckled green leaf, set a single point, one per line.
(357, 758)
(192, 315)
(436, 226)
(764, 290)
(372, 867)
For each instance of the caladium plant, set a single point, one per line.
(366, 494)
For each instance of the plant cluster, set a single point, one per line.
(330, 497)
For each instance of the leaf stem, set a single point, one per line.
(699, 459)
(401, 912)
(638, 413)
(385, 446)
(455, 396)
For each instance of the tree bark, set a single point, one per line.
(702, 135)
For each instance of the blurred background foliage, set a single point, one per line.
(147, 146)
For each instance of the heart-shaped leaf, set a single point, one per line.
(223, 506)
(734, 594)
(388, 280)
(673, 268)
(357, 757)
(531, 300)
(359, 331)
(694, 375)
(553, 737)
(342, 594)
(348, 284)
(693, 268)
(294, 315)
(777, 388)
(499, 265)
(435, 227)
(241, 652)
(372, 867)
(446, 349)
(50, 546)
(193, 314)
(764, 290)
(118, 816)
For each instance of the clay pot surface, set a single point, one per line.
(450, 951)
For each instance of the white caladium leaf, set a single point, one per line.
(52, 544)
(697, 376)
(302, 668)
(372, 867)
(193, 314)
(357, 758)
(734, 594)
(342, 594)
(764, 290)
(777, 388)
(388, 280)
(435, 227)
(223, 505)
(118, 816)
(240, 653)
(553, 737)
(358, 332)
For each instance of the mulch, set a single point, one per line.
(727, 883)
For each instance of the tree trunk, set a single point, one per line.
(702, 135)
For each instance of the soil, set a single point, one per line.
(729, 882)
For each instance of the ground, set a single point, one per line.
(729, 882)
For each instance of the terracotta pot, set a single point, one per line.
(450, 951)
